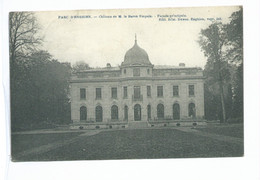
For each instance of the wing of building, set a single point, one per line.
(136, 91)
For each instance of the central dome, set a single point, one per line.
(136, 56)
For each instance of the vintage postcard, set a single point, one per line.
(126, 84)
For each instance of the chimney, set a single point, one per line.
(182, 64)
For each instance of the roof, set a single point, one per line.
(101, 69)
(136, 56)
(173, 67)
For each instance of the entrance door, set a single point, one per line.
(160, 111)
(176, 111)
(99, 114)
(192, 110)
(137, 112)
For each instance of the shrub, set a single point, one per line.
(178, 124)
(81, 127)
(194, 124)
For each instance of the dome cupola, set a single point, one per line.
(136, 56)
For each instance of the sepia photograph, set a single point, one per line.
(155, 83)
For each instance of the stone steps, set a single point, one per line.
(137, 124)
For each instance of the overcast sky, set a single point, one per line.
(98, 41)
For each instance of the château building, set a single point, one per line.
(136, 91)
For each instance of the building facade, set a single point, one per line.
(137, 91)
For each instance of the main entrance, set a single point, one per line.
(137, 112)
(176, 111)
(99, 114)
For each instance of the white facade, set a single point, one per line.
(181, 92)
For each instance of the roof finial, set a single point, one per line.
(135, 39)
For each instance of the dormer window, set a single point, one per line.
(136, 72)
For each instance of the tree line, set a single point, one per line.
(39, 84)
(222, 44)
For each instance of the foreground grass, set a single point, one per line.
(233, 130)
(140, 144)
(22, 142)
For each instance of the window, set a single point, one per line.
(148, 71)
(83, 113)
(124, 71)
(137, 92)
(114, 112)
(191, 90)
(149, 111)
(160, 111)
(148, 91)
(125, 113)
(82, 93)
(98, 93)
(114, 92)
(125, 91)
(175, 90)
(136, 72)
(160, 91)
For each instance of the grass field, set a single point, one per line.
(24, 142)
(129, 144)
(236, 130)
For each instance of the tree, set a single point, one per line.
(222, 44)
(234, 35)
(39, 83)
(23, 40)
(23, 34)
(212, 40)
(213, 104)
(80, 66)
(40, 94)
(238, 93)
(234, 31)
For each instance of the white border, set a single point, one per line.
(246, 167)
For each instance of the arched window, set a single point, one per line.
(99, 114)
(149, 111)
(192, 110)
(176, 111)
(126, 112)
(160, 111)
(114, 112)
(83, 113)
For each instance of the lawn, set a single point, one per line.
(22, 142)
(233, 130)
(140, 144)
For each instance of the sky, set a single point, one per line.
(98, 37)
